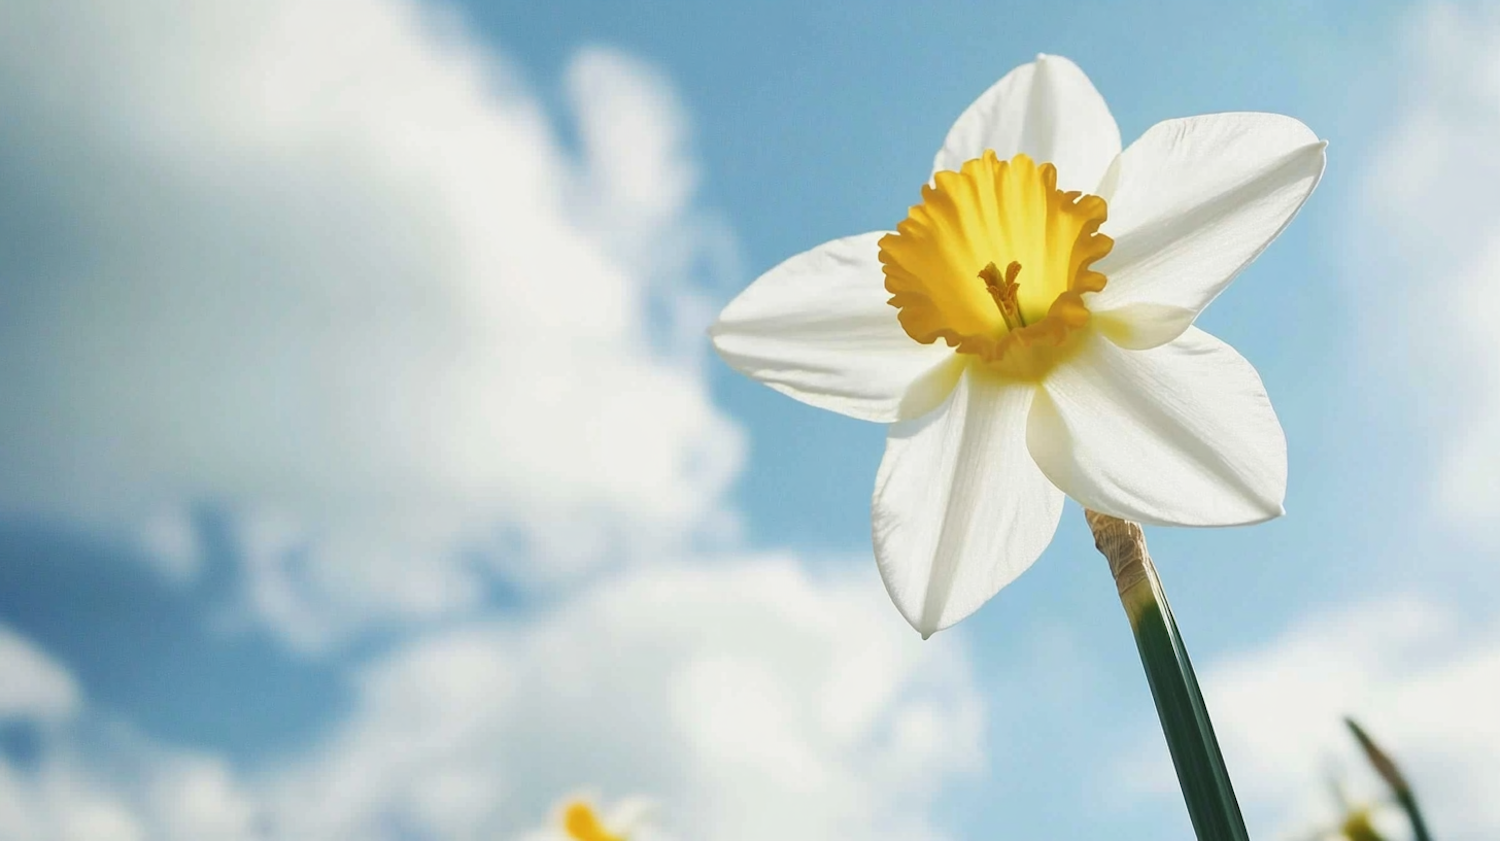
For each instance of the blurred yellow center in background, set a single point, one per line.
(582, 824)
(1357, 827)
(995, 261)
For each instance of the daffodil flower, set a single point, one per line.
(579, 821)
(581, 824)
(1028, 332)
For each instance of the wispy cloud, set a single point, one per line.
(1421, 680)
(35, 687)
(1423, 259)
(1428, 255)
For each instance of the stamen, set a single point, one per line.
(1003, 290)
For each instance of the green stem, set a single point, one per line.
(1418, 825)
(1179, 704)
(1386, 767)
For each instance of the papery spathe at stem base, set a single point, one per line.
(1201, 773)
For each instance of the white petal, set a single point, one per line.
(628, 816)
(818, 328)
(1182, 434)
(1191, 203)
(1048, 109)
(960, 509)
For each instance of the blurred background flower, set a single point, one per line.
(583, 818)
(363, 473)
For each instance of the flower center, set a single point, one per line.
(581, 824)
(942, 266)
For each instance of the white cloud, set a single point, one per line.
(1426, 272)
(749, 699)
(1420, 680)
(330, 265)
(753, 701)
(56, 800)
(92, 783)
(1424, 259)
(33, 685)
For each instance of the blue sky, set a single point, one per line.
(357, 378)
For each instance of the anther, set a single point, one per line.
(1003, 289)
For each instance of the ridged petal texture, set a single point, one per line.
(1182, 434)
(960, 508)
(818, 328)
(1191, 203)
(1047, 109)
